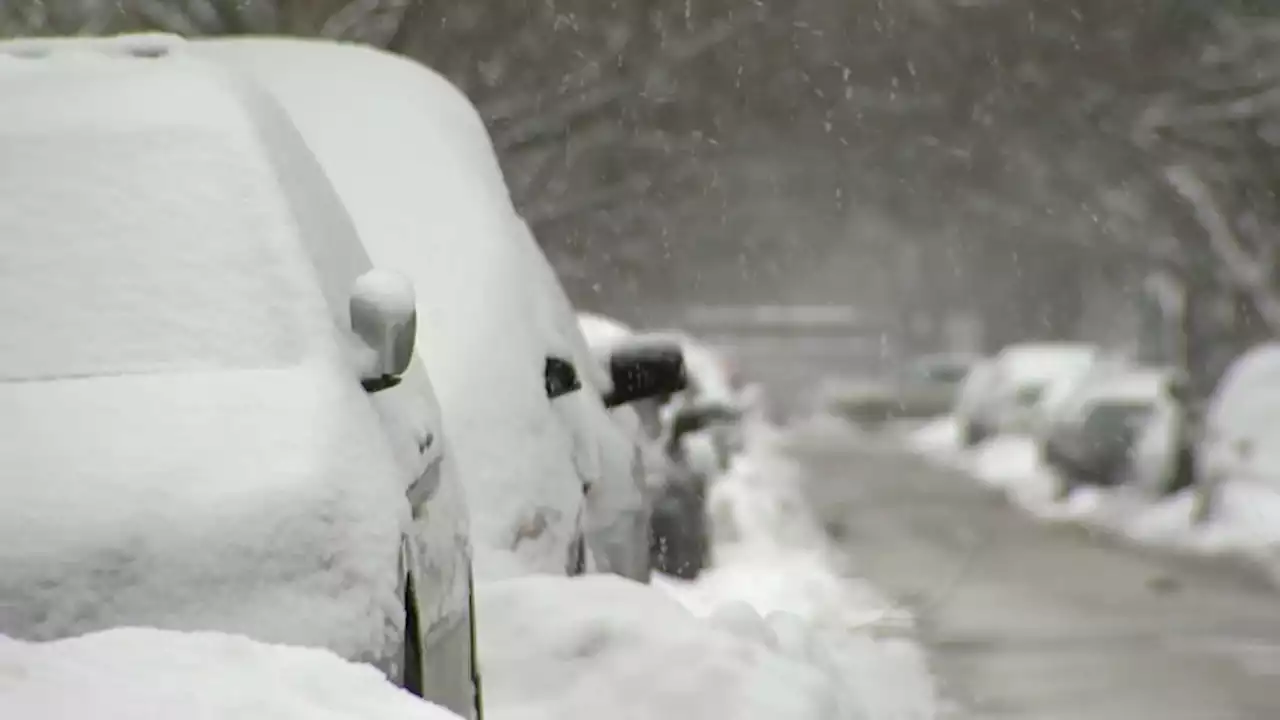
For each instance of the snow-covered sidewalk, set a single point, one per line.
(1246, 520)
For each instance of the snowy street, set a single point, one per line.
(1024, 619)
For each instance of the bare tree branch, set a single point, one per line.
(374, 22)
(1244, 271)
(594, 99)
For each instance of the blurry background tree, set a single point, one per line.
(1024, 161)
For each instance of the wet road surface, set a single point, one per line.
(1045, 622)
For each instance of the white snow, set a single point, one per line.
(1246, 519)
(151, 271)
(261, 502)
(771, 631)
(938, 437)
(133, 673)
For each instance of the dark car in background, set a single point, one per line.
(1092, 441)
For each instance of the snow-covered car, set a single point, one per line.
(551, 480)
(1064, 392)
(1240, 442)
(1093, 439)
(1005, 395)
(676, 481)
(215, 418)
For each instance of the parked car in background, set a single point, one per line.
(679, 541)
(551, 478)
(1005, 396)
(1092, 441)
(925, 387)
(217, 415)
(1065, 391)
(1241, 439)
(716, 388)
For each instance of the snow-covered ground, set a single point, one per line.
(140, 674)
(1246, 520)
(771, 631)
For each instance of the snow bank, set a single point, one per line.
(771, 631)
(131, 673)
(938, 437)
(586, 647)
(1246, 519)
(775, 576)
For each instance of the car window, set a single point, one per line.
(1115, 422)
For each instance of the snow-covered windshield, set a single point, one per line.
(125, 252)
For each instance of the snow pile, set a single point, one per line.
(939, 437)
(776, 576)
(1008, 461)
(131, 673)
(583, 648)
(1245, 521)
(771, 631)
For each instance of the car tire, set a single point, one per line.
(679, 545)
(411, 679)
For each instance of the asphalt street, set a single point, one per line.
(1044, 622)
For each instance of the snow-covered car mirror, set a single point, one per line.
(384, 315)
(645, 368)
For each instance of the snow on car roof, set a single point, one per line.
(1137, 384)
(127, 91)
(1034, 362)
(147, 224)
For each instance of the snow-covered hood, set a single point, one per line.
(258, 502)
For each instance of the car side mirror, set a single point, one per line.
(384, 315)
(645, 369)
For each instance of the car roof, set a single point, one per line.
(48, 83)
